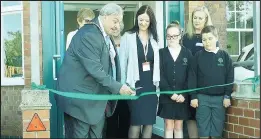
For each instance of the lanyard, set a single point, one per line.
(145, 48)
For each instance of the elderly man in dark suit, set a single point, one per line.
(91, 65)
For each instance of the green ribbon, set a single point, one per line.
(255, 80)
(92, 96)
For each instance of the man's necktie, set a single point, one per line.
(112, 55)
(111, 50)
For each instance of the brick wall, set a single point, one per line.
(11, 124)
(243, 119)
(217, 11)
(189, 6)
(27, 44)
(44, 116)
(11, 116)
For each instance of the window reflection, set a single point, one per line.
(12, 44)
(232, 43)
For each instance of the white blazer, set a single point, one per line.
(129, 60)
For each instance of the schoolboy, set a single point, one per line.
(212, 67)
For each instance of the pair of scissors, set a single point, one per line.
(134, 89)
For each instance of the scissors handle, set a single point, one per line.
(131, 87)
(134, 89)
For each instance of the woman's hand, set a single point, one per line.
(174, 97)
(180, 99)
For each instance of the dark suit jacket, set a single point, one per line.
(86, 68)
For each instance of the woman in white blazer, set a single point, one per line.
(139, 60)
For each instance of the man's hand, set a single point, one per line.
(180, 98)
(194, 103)
(126, 90)
(174, 97)
(226, 102)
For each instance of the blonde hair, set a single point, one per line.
(190, 28)
(85, 13)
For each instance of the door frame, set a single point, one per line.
(94, 5)
(50, 44)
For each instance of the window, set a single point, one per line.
(12, 63)
(239, 26)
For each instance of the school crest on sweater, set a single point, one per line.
(185, 60)
(220, 60)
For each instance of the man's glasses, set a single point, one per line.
(172, 37)
(87, 20)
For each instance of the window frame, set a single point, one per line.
(256, 33)
(9, 10)
(245, 88)
(239, 30)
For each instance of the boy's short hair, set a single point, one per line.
(210, 29)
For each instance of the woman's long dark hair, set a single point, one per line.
(153, 23)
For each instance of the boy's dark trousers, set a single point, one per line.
(117, 126)
(211, 115)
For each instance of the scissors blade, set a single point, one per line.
(138, 88)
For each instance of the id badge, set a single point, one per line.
(199, 44)
(146, 66)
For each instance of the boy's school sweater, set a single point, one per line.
(213, 69)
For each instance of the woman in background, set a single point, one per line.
(193, 41)
(84, 15)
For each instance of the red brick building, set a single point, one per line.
(32, 32)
